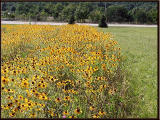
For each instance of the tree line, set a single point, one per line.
(118, 12)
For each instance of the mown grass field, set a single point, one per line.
(78, 72)
(139, 47)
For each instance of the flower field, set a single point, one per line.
(68, 71)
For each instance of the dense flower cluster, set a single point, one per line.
(57, 71)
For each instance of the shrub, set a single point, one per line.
(71, 20)
(102, 22)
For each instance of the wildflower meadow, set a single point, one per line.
(68, 71)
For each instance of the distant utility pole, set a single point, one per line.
(105, 11)
(105, 8)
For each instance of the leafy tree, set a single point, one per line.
(43, 15)
(102, 22)
(152, 16)
(82, 12)
(20, 9)
(140, 16)
(57, 10)
(13, 9)
(95, 15)
(131, 14)
(67, 11)
(4, 6)
(49, 8)
(117, 13)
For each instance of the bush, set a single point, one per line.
(71, 20)
(102, 22)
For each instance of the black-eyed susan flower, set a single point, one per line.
(33, 82)
(72, 116)
(111, 92)
(57, 100)
(103, 86)
(91, 108)
(20, 97)
(10, 97)
(10, 90)
(39, 85)
(2, 107)
(43, 105)
(10, 104)
(67, 98)
(52, 114)
(66, 113)
(12, 114)
(2, 88)
(23, 105)
(77, 111)
(6, 107)
(95, 116)
(4, 80)
(32, 115)
(25, 84)
(101, 113)
(12, 79)
(43, 85)
(30, 104)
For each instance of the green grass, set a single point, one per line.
(139, 47)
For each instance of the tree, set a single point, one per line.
(67, 11)
(13, 9)
(61, 11)
(140, 16)
(152, 16)
(4, 6)
(95, 15)
(48, 9)
(102, 22)
(82, 12)
(131, 14)
(43, 16)
(57, 10)
(116, 13)
(20, 9)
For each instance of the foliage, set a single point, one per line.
(117, 14)
(83, 11)
(140, 16)
(102, 22)
(71, 20)
(152, 16)
(57, 10)
(67, 12)
(95, 15)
